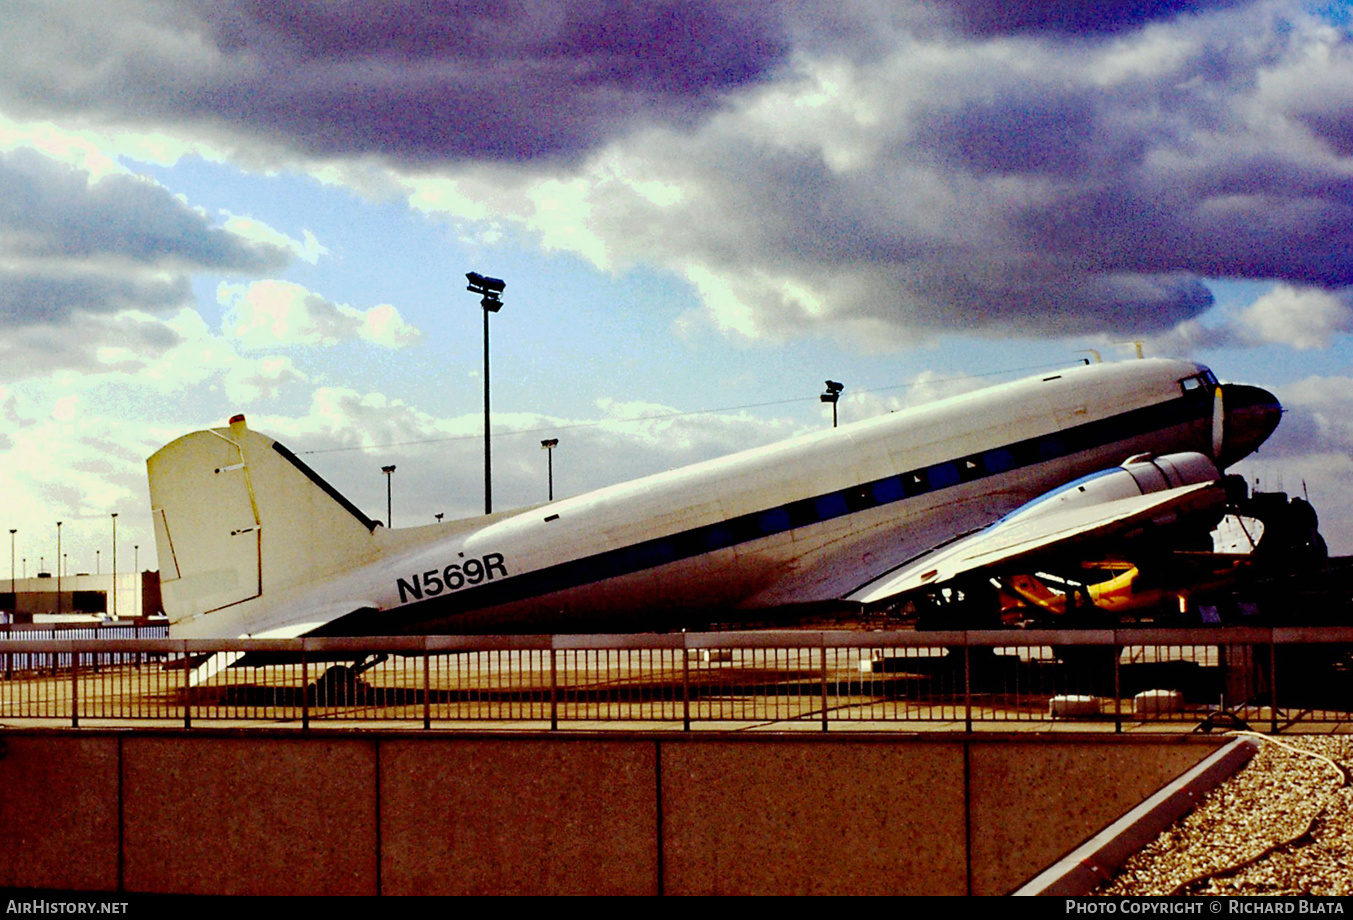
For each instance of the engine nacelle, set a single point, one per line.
(1138, 475)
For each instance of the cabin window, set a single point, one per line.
(942, 475)
(719, 536)
(774, 521)
(888, 490)
(1051, 447)
(998, 461)
(830, 506)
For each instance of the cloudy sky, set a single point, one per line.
(702, 211)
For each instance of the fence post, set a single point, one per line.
(305, 689)
(1272, 684)
(685, 686)
(187, 689)
(427, 687)
(74, 688)
(554, 689)
(967, 685)
(1117, 689)
(823, 652)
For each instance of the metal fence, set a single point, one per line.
(1114, 680)
(26, 658)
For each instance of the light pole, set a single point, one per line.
(548, 445)
(387, 470)
(136, 593)
(115, 565)
(832, 395)
(58, 567)
(13, 591)
(491, 290)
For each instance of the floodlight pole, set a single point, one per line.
(491, 291)
(13, 591)
(488, 447)
(389, 519)
(58, 567)
(832, 395)
(548, 445)
(114, 565)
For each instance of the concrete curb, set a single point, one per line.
(1098, 858)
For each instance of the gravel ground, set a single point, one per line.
(1272, 799)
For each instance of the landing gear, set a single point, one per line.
(341, 685)
(966, 604)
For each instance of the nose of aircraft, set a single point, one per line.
(1251, 415)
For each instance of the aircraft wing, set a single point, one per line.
(1019, 537)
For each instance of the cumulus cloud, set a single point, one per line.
(1007, 183)
(925, 387)
(54, 211)
(84, 411)
(308, 248)
(675, 438)
(270, 313)
(411, 81)
(51, 292)
(125, 343)
(144, 359)
(1319, 416)
(887, 173)
(91, 466)
(68, 244)
(1300, 319)
(1296, 317)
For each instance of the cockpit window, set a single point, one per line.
(1205, 379)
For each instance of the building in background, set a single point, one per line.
(83, 597)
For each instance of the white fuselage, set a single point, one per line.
(799, 522)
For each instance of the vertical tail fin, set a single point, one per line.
(238, 517)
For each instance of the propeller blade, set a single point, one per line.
(1218, 425)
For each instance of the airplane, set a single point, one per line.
(252, 543)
